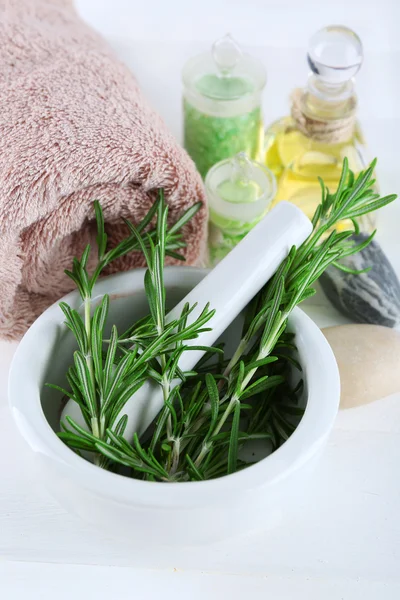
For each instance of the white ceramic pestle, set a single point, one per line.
(228, 288)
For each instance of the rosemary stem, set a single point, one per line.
(203, 453)
(166, 392)
(208, 445)
(89, 361)
(237, 354)
(174, 457)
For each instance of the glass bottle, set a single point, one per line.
(222, 105)
(322, 128)
(239, 192)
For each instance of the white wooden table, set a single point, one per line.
(343, 539)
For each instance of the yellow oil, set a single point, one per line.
(297, 161)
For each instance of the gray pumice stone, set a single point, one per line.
(372, 297)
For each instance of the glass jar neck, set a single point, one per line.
(326, 101)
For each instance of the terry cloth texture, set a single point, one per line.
(74, 127)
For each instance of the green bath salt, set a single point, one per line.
(209, 139)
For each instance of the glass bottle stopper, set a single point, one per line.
(241, 169)
(226, 54)
(335, 54)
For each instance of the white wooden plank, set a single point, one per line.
(46, 582)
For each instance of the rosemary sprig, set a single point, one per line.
(102, 382)
(210, 414)
(292, 283)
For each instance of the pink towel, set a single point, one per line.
(74, 127)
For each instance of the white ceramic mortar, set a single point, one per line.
(160, 513)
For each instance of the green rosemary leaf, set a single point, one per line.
(280, 276)
(77, 282)
(63, 391)
(194, 394)
(185, 218)
(153, 374)
(175, 255)
(343, 178)
(84, 379)
(288, 358)
(210, 350)
(129, 245)
(349, 270)
(317, 215)
(363, 210)
(149, 289)
(103, 313)
(223, 438)
(97, 343)
(292, 410)
(120, 443)
(234, 440)
(116, 379)
(172, 413)
(140, 242)
(82, 432)
(160, 424)
(279, 431)
(239, 379)
(186, 310)
(255, 364)
(83, 278)
(179, 402)
(148, 459)
(274, 312)
(193, 470)
(308, 293)
(172, 365)
(158, 287)
(213, 395)
(73, 382)
(360, 184)
(288, 426)
(323, 190)
(356, 226)
(122, 458)
(155, 461)
(76, 442)
(121, 426)
(262, 384)
(85, 256)
(110, 358)
(149, 216)
(161, 229)
(121, 400)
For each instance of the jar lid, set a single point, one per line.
(240, 189)
(225, 73)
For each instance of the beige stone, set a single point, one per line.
(369, 362)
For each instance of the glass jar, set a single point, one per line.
(239, 192)
(222, 92)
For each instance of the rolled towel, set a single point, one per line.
(74, 127)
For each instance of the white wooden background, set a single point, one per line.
(343, 539)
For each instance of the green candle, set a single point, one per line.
(222, 105)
